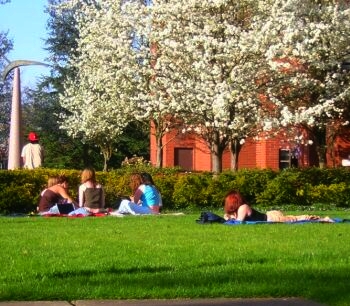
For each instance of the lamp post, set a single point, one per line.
(14, 158)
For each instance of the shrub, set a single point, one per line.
(288, 187)
(301, 187)
(18, 199)
(336, 194)
(166, 185)
(190, 191)
(115, 185)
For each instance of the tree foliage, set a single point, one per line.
(5, 95)
(208, 66)
(40, 105)
(223, 70)
(304, 46)
(42, 108)
(161, 63)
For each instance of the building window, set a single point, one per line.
(184, 158)
(288, 158)
(284, 158)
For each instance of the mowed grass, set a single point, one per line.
(164, 257)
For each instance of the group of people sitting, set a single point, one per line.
(145, 198)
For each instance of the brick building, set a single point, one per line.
(192, 154)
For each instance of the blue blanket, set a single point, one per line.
(336, 220)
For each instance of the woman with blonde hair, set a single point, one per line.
(55, 193)
(91, 193)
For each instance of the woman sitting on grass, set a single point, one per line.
(91, 193)
(56, 192)
(148, 180)
(145, 200)
(236, 208)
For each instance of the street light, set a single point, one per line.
(14, 158)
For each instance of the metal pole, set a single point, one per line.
(14, 159)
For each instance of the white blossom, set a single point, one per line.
(218, 68)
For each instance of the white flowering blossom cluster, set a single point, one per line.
(97, 98)
(209, 63)
(304, 44)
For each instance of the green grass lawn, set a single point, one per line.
(172, 257)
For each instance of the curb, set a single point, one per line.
(175, 302)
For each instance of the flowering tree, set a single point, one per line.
(304, 45)
(115, 77)
(203, 65)
(98, 98)
(207, 64)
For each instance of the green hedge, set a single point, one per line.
(20, 189)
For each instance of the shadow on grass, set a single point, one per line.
(328, 286)
(113, 270)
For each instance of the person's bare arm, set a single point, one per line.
(103, 198)
(81, 195)
(137, 196)
(64, 194)
(243, 211)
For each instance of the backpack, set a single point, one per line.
(208, 217)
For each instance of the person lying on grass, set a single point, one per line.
(236, 208)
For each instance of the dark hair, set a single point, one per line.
(62, 179)
(147, 178)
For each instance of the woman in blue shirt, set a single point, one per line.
(146, 198)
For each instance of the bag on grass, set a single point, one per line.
(208, 217)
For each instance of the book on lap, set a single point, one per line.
(65, 209)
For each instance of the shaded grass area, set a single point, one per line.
(171, 257)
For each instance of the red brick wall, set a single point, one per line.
(248, 155)
(341, 148)
(262, 153)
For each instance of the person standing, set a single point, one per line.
(32, 153)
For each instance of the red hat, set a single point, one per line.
(33, 136)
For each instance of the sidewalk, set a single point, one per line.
(180, 302)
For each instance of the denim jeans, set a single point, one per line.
(128, 207)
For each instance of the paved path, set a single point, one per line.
(180, 302)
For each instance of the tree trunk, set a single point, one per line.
(216, 162)
(321, 145)
(159, 153)
(216, 154)
(235, 148)
(105, 162)
(107, 153)
(322, 157)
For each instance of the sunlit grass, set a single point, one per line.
(171, 257)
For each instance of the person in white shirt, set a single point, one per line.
(32, 153)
